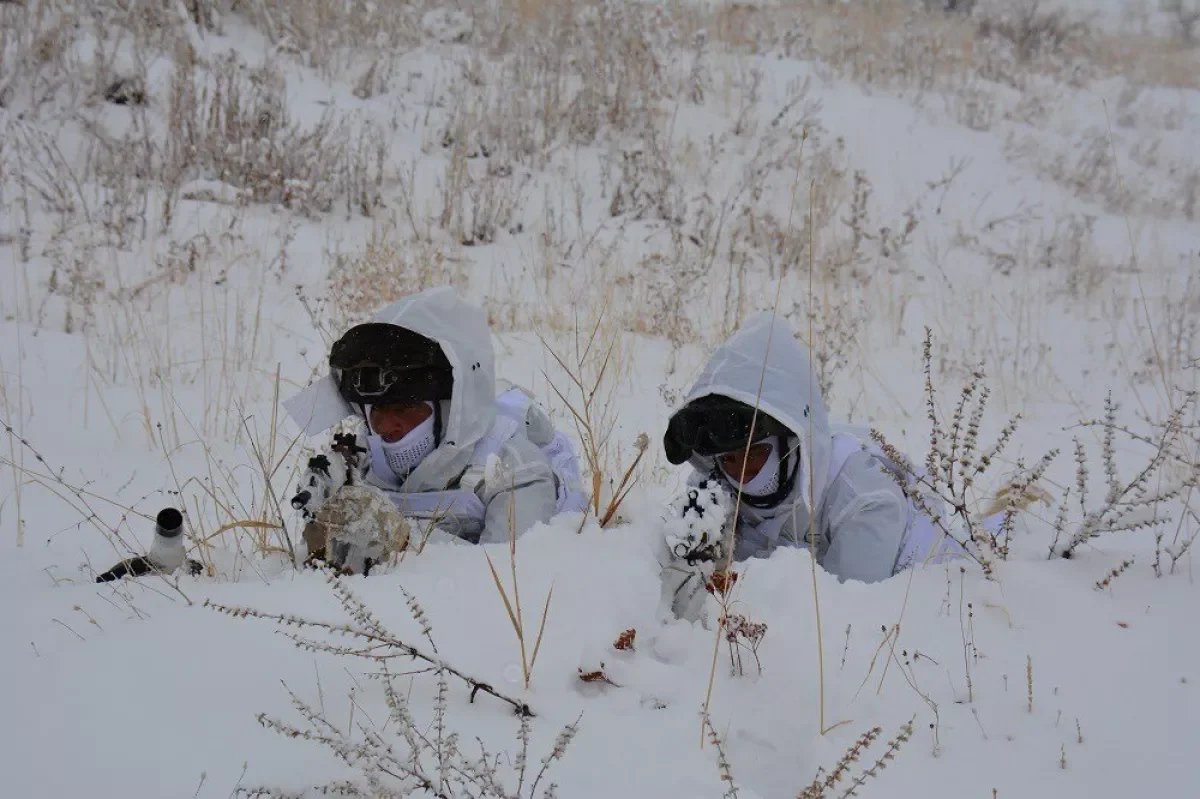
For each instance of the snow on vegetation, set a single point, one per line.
(197, 196)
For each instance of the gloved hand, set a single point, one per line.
(362, 528)
(697, 527)
(696, 537)
(328, 472)
(315, 487)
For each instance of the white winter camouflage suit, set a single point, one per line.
(861, 515)
(516, 492)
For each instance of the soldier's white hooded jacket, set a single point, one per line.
(485, 476)
(862, 516)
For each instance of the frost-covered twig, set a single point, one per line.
(1132, 505)
(375, 642)
(722, 759)
(411, 762)
(404, 756)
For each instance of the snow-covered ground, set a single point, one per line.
(172, 264)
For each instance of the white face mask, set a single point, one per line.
(406, 454)
(766, 482)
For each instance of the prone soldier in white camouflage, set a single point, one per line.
(435, 452)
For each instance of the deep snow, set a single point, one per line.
(135, 689)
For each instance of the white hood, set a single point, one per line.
(463, 333)
(764, 351)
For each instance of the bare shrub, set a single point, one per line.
(835, 323)
(974, 107)
(331, 36)
(1191, 193)
(951, 6)
(1141, 502)
(568, 75)
(955, 463)
(647, 186)
(1032, 32)
(593, 369)
(404, 757)
(481, 196)
(235, 128)
(386, 270)
(75, 278)
(1185, 15)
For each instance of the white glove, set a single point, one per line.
(696, 537)
(327, 472)
(697, 526)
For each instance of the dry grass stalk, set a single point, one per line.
(513, 606)
(1029, 681)
(908, 670)
(593, 420)
(967, 646)
(16, 456)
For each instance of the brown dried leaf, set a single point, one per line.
(625, 640)
(721, 582)
(597, 676)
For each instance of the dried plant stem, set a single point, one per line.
(963, 630)
(722, 759)
(1113, 574)
(591, 422)
(818, 787)
(712, 673)
(513, 606)
(812, 494)
(1029, 681)
(888, 756)
(375, 642)
(12, 443)
(267, 473)
(627, 482)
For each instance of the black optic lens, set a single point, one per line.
(371, 380)
(729, 429)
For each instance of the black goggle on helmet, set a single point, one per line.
(713, 425)
(381, 364)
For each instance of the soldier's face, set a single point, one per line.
(394, 422)
(744, 466)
